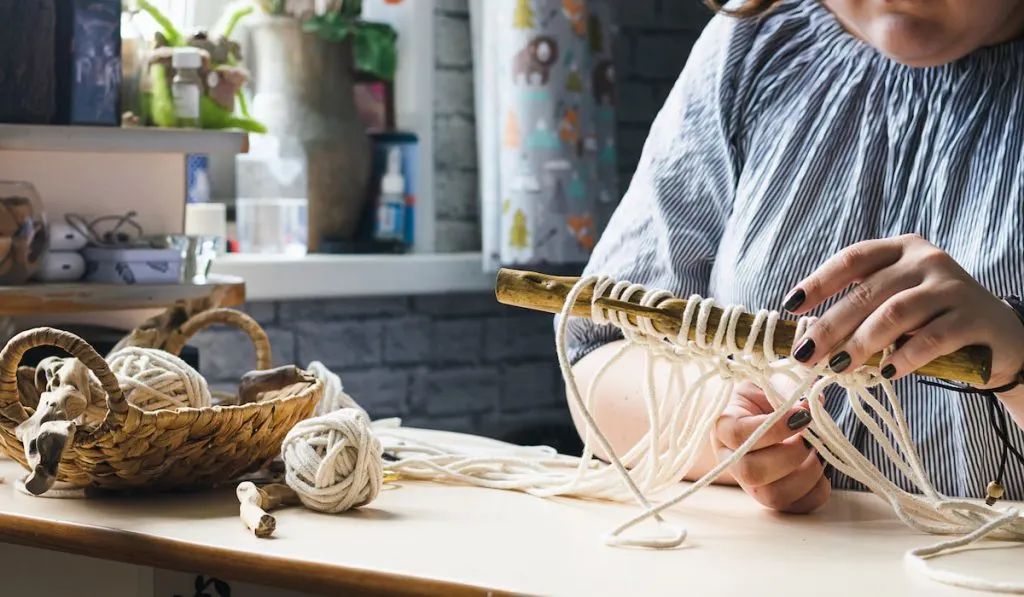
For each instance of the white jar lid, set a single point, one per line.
(186, 58)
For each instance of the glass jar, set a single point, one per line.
(24, 238)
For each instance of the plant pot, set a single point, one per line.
(304, 92)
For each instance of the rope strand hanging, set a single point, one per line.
(699, 353)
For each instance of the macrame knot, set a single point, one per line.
(334, 462)
(153, 379)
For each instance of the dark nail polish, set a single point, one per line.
(804, 351)
(839, 362)
(888, 371)
(794, 300)
(799, 419)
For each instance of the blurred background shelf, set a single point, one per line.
(275, 278)
(39, 299)
(18, 137)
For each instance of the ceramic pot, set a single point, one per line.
(304, 91)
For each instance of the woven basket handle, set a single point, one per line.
(11, 355)
(225, 316)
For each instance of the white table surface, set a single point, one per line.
(416, 537)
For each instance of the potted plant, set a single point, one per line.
(222, 104)
(374, 45)
(304, 55)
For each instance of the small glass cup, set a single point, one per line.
(272, 226)
(24, 237)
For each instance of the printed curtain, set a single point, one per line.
(546, 123)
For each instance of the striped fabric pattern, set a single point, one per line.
(784, 141)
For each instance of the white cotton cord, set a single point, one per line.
(59, 491)
(563, 361)
(334, 396)
(916, 559)
(333, 461)
(700, 360)
(153, 379)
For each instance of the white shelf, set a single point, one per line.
(98, 139)
(273, 278)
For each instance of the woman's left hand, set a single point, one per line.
(906, 288)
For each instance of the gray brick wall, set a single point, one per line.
(465, 363)
(458, 362)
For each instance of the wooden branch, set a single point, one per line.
(254, 502)
(541, 292)
(47, 434)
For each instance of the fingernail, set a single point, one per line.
(888, 371)
(799, 419)
(804, 351)
(794, 300)
(839, 362)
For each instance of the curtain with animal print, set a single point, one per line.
(546, 122)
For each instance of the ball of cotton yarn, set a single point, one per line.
(334, 462)
(154, 379)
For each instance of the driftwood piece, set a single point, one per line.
(542, 292)
(255, 384)
(255, 502)
(47, 434)
(28, 377)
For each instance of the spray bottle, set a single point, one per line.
(391, 205)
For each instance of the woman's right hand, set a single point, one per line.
(780, 471)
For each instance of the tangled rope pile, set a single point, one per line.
(679, 426)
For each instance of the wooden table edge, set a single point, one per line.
(130, 547)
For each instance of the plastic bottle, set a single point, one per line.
(391, 204)
(187, 87)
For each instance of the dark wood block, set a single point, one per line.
(27, 48)
(88, 62)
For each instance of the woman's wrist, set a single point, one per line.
(1016, 393)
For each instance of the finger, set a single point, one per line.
(941, 336)
(905, 312)
(851, 265)
(736, 425)
(785, 492)
(844, 318)
(750, 399)
(768, 465)
(817, 497)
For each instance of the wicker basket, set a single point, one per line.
(171, 449)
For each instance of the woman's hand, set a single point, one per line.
(780, 471)
(910, 294)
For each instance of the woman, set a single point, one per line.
(881, 142)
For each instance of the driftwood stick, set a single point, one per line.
(255, 502)
(256, 383)
(47, 434)
(541, 292)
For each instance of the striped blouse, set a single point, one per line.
(785, 140)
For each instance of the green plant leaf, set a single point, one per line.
(351, 8)
(376, 49)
